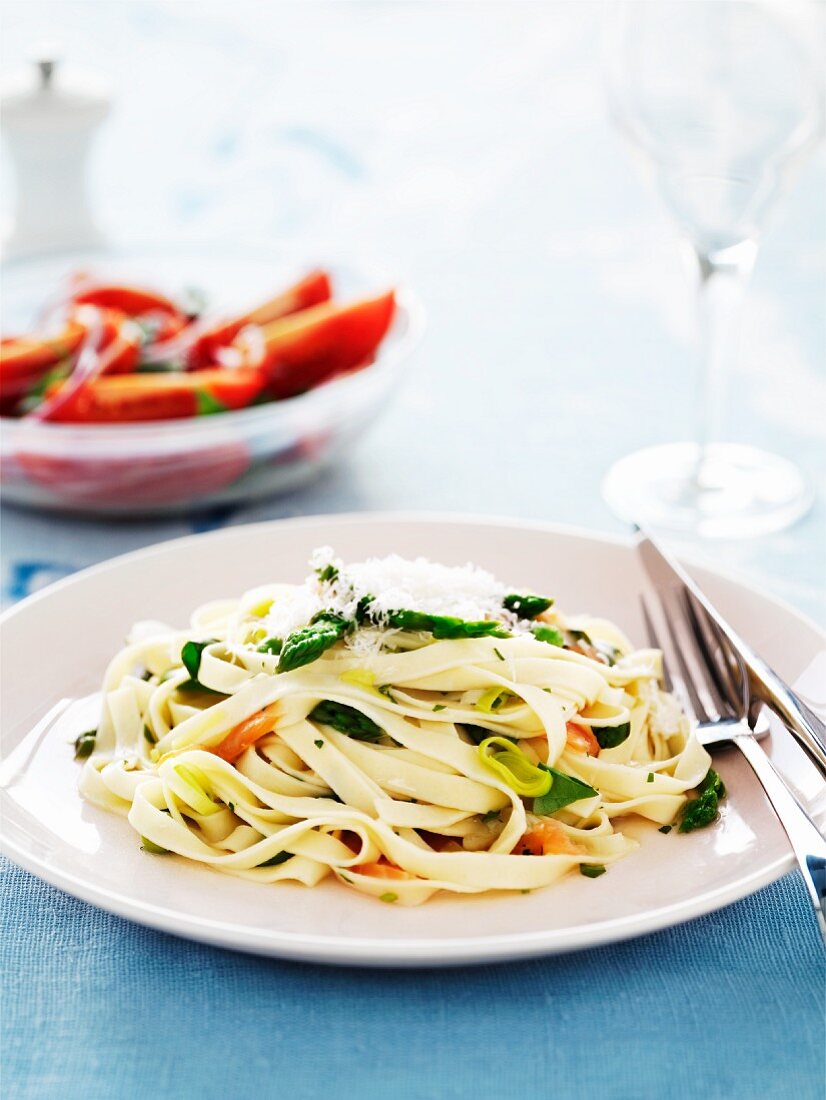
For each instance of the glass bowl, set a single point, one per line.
(174, 466)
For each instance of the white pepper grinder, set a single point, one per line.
(49, 114)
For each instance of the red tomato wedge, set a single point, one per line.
(119, 343)
(25, 359)
(131, 300)
(311, 346)
(310, 291)
(246, 733)
(135, 397)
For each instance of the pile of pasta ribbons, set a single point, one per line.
(457, 758)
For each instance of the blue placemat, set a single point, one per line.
(728, 1006)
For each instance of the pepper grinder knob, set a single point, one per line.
(49, 115)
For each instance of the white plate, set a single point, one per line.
(56, 644)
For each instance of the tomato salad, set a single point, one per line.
(123, 353)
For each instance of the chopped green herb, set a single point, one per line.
(85, 744)
(527, 607)
(578, 636)
(206, 404)
(37, 392)
(389, 896)
(271, 645)
(279, 857)
(231, 806)
(384, 689)
(191, 656)
(591, 870)
(703, 809)
(549, 635)
(149, 735)
(650, 778)
(166, 366)
(440, 706)
(611, 736)
(346, 720)
(498, 654)
(564, 790)
(304, 646)
(665, 829)
(327, 573)
(491, 815)
(319, 744)
(155, 849)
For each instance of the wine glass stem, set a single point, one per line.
(723, 276)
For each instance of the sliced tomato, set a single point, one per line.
(546, 839)
(581, 739)
(136, 397)
(382, 868)
(310, 291)
(25, 359)
(133, 482)
(246, 733)
(131, 300)
(311, 346)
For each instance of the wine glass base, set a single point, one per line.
(736, 491)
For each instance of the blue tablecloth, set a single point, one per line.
(467, 148)
(727, 1006)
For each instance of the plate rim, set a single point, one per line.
(364, 951)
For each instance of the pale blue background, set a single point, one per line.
(465, 146)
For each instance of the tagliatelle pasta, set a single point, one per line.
(404, 727)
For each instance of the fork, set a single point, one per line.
(712, 687)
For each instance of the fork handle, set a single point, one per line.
(806, 839)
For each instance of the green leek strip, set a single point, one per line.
(491, 700)
(195, 795)
(514, 768)
(150, 846)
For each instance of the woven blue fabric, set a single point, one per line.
(729, 1006)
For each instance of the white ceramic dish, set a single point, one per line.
(56, 644)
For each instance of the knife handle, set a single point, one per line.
(808, 728)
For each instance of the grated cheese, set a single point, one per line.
(395, 584)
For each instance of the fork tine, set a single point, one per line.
(662, 639)
(720, 659)
(710, 704)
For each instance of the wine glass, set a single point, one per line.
(720, 101)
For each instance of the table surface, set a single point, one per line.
(466, 147)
